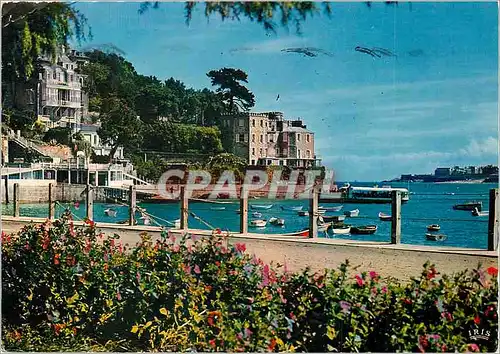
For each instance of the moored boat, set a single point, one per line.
(303, 233)
(303, 213)
(344, 230)
(469, 206)
(323, 227)
(261, 206)
(256, 214)
(333, 218)
(218, 208)
(292, 208)
(352, 213)
(335, 208)
(258, 223)
(435, 237)
(110, 212)
(384, 217)
(363, 230)
(277, 221)
(476, 212)
(433, 227)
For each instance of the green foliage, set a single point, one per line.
(61, 135)
(235, 95)
(73, 288)
(226, 162)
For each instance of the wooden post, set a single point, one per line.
(184, 208)
(243, 210)
(396, 217)
(6, 189)
(51, 201)
(16, 200)
(313, 212)
(90, 202)
(493, 221)
(131, 205)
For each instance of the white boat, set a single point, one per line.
(110, 212)
(261, 206)
(335, 208)
(218, 208)
(476, 212)
(177, 224)
(277, 221)
(435, 237)
(344, 230)
(293, 208)
(384, 217)
(258, 223)
(303, 213)
(433, 227)
(352, 213)
(256, 214)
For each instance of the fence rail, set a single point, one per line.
(129, 198)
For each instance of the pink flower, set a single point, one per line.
(197, 269)
(119, 296)
(359, 280)
(187, 269)
(248, 333)
(138, 277)
(374, 291)
(241, 247)
(176, 248)
(473, 347)
(492, 271)
(384, 289)
(373, 274)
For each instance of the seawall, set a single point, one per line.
(400, 261)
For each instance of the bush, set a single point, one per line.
(67, 288)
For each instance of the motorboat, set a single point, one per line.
(351, 213)
(218, 208)
(384, 217)
(292, 208)
(333, 218)
(469, 206)
(277, 221)
(256, 214)
(261, 206)
(344, 230)
(335, 208)
(303, 213)
(303, 233)
(433, 227)
(363, 230)
(476, 212)
(435, 237)
(258, 223)
(110, 212)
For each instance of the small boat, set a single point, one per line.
(238, 211)
(261, 206)
(344, 230)
(303, 233)
(218, 208)
(304, 213)
(177, 223)
(384, 217)
(277, 221)
(351, 213)
(333, 218)
(363, 230)
(258, 223)
(435, 237)
(256, 214)
(433, 227)
(476, 212)
(335, 208)
(469, 206)
(293, 208)
(110, 212)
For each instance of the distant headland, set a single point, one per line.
(484, 174)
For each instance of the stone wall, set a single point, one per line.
(37, 191)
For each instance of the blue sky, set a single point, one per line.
(373, 118)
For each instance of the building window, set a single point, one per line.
(298, 154)
(281, 162)
(241, 123)
(242, 137)
(271, 138)
(253, 152)
(71, 78)
(261, 123)
(54, 75)
(262, 138)
(269, 162)
(308, 154)
(298, 137)
(277, 152)
(308, 138)
(237, 138)
(253, 162)
(246, 138)
(253, 138)
(253, 122)
(260, 152)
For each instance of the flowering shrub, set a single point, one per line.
(67, 288)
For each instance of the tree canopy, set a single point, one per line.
(234, 95)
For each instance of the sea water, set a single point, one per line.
(430, 203)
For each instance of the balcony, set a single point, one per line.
(61, 103)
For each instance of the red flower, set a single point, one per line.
(56, 259)
(373, 274)
(218, 231)
(272, 345)
(210, 321)
(477, 320)
(89, 222)
(119, 296)
(212, 343)
(217, 263)
(431, 273)
(473, 347)
(492, 271)
(241, 247)
(359, 280)
(407, 301)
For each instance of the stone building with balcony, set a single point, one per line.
(269, 139)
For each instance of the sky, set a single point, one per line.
(433, 104)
